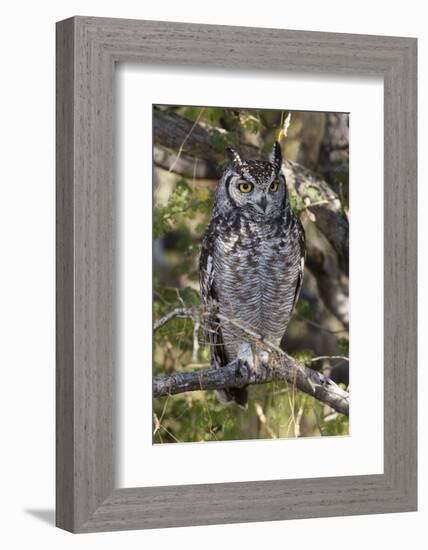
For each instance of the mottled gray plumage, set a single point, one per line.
(251, 263)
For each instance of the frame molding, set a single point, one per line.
(87, 50)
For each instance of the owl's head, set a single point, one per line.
(256, 186)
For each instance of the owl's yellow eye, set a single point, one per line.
(245, 186)
(274, 186)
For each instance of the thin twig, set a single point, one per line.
(263, 420)
(180, 298)
(319, 203)
(196, 326)
(299, 416)
(178, 312)
(323, 357)
(257, 337)
(320, 327)
(185, 139)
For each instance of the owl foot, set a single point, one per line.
(254, 363)
(245, 356)
(263, 372)
(262, 357)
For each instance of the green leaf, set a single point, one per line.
(304, 356)
(304, 309)
(296, 201)
(343, 346)
(313, 193)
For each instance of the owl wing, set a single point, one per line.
(302, 247)
(212, 328)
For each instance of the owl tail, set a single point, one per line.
(238, 395)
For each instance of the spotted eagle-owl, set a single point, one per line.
(251, 263)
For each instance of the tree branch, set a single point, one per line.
(332, 289)
(178, 133)
(327, 208)
(236, 375)
(178, 312)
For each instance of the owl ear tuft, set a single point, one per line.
(276, 156)
(234, 157)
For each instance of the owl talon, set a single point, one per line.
(243, 371)
(263, 372)
(245, 356)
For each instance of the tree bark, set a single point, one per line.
(331, 283)
(237, 375)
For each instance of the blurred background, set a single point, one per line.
(189, 157)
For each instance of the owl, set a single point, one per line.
(251, 263)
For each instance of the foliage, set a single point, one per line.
(182, 203)
(296, 202)
(343, 345)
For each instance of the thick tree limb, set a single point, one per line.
(185, 166)
(237, 375)
(196, 141)
(332, 289)
(175, 132)
(327, 208)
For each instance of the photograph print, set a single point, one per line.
(250, 274)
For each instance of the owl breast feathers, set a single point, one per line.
(251, 263)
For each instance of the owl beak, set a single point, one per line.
(262, 203)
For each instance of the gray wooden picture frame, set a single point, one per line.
(87, 50)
